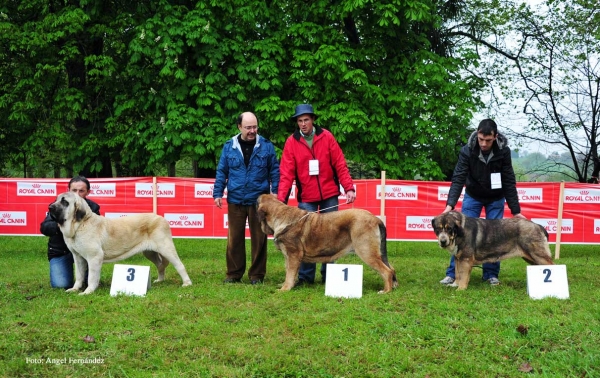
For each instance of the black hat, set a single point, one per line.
(304, 109)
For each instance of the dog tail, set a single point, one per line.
(545, 231)
(383, 247)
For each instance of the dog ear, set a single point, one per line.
(459, 231)
(79, 215)
(261, 215)
(433, 223)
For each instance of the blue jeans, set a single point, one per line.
(308, 270)
(61, 271)
(493, 210)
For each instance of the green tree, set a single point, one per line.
(142, 85)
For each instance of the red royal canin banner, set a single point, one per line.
(188, 205)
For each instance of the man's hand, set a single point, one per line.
(350, 196)
(447, 209)
(519, 216)
(218, 203)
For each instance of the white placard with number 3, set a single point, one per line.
(130, 280)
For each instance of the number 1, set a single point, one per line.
(345, 274)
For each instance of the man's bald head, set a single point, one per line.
(248, 125)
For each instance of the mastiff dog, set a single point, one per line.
(476, 241)
(94, 239)
(304, 236)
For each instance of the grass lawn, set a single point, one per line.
(211, 329)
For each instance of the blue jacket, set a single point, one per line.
(245, 184)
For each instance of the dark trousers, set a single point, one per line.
(472, 208)
(308, 270)
(236, 243)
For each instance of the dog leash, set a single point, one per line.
(298, 221)
(327, 208)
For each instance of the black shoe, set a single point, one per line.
(232, 280)
(256, 282)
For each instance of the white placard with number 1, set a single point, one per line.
(130, 280)
(547, 281)
(344, 280)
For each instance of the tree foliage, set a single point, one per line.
(93, 85)
(546, 62)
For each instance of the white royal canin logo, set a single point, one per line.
(419, 223)
(185, 220)
(443, 193)
(206, 191)
(226, 222)
(105, 189)
(36, 189)
(145, 190)
(13, 218)
(551, 225)
(530, 195)
(399, 192)
(582, 195)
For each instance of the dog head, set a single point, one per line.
(263, 204)
(68, 207)
(448, 227)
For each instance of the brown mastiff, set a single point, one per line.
(304, 236)
(476, 241)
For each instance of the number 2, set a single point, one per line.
(131, 275)
(547, 272)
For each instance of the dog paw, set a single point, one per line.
(188, 283)
(71, 290)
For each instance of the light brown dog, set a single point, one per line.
(303, 236)
(94, 239)
(476, 241)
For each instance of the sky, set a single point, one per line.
(511, 118)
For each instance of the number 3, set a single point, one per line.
(131, 275)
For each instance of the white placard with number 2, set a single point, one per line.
(547, 281)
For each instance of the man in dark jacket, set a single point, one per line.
(59, 256)
(248, 167)
(485, 169)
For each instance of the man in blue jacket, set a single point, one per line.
(248, 167)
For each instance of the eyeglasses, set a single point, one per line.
(250, 128)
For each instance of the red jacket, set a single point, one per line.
(333, 170)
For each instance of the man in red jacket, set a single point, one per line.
(313, 158)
